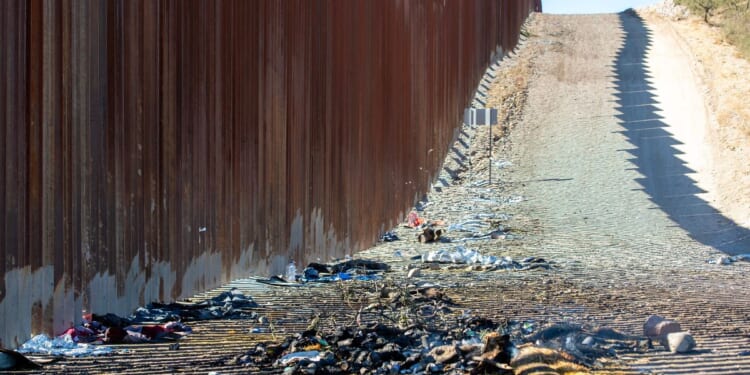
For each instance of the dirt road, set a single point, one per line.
(611, 158)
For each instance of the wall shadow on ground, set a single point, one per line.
(666, 177)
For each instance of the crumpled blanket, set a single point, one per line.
(62, 345)
(724, 259)
(230, 304)
(462, 255)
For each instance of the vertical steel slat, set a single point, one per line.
(154, 149)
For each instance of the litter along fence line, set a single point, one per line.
(151, 150)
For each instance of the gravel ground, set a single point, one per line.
(571, 184)
(588, 159)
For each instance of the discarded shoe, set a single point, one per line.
(430, 235)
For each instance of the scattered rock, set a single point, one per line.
(669, 9)
(498, 235)
(444, 354)
(416, 272)
(657, 327)
(680, 342)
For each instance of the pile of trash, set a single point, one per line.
(473, 345)
(418, 330)
(386, 348)
(107, 329)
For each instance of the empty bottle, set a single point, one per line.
(291, 272)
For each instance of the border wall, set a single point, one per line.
(154, 149)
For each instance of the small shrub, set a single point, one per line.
(733, 16)
(737, 30)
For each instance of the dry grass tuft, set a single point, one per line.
(736, 27)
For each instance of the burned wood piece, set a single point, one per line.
(497, 348)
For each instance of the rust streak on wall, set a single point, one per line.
(153, 149)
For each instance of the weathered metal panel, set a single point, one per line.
(152, 149)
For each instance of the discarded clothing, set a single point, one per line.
(472, 226)
(144, 333)
(357, 269)
(62, 345)
(349, 266)
(355, 265)
(351, 269)
(311, 276)
(413, 220)
(110, 328)
(93, 326)
(462, 255)
(230, 304)
(81, 334)
(389, 237)
(724, 259)
(101, 322)
(478, 228)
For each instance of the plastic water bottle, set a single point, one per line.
(291, 272)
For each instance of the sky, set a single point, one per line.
(591, 6)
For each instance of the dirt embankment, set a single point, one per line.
(724, 77)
